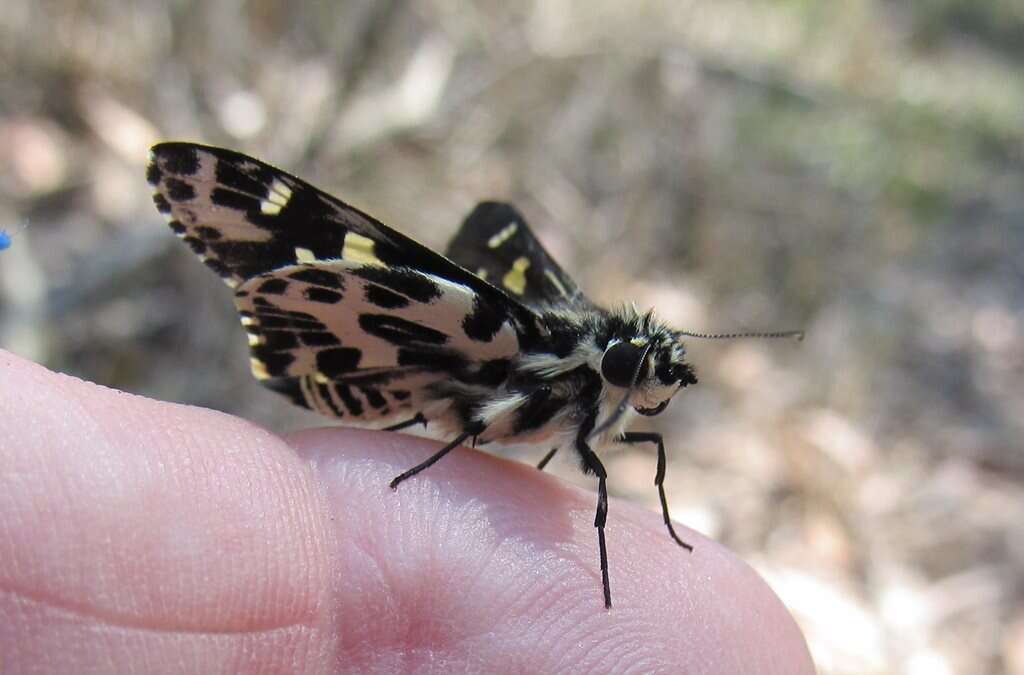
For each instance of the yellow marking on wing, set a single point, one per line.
(313, 397)
(320, 377)
(277, 198)
(482, 273)
(638, 342)
(502, 235)
(553, 278)
(515, 280)
(248, 321)
(259, 369)
(254, 339)
(304, 255)
(360, 249)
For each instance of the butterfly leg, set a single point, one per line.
(418, 419)
(547, 458)
(430, 461)
(592, 464)
(659, 476)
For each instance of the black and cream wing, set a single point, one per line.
(497, 245)
(243, 217)
(364, 342)
(344, 315)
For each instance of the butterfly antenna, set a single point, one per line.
(798, 335)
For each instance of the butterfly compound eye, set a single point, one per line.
(620, 361)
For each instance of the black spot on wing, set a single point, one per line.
(178, 158)
(319, 338)
(273, 286)
(178, 190)
(325, 395)
(255, 179)
(162, 205)
(483, 323)
(287, 386)
(399, 331)
(271, 321)
(197, 245)
(208, 233)
(417, 286)
(153, 174)
(276, 363)
(324, 295)
(279, 340)
(249, 258)
(383, 298)
(177, 227)
(399, 394)
(337, 361)
(231, 199)
(353, 404)
(492, 373)
(319, 278)
(217, 266)
(374, 398)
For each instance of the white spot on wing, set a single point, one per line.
(360, 249)
(503, 235)
(277, 198)
(259, 369)
(304, 255)
(515, 280)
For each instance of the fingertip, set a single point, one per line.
(524, 542)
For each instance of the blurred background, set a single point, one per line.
(851, 168)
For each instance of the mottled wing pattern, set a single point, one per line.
(243, 217)
(363, 342)
(497, 245)
(345, 315)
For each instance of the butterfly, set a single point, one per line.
(491, 342)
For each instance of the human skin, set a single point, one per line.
(142, 536)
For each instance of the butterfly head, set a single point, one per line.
(650, 363)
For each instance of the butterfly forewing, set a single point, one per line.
(244, 217)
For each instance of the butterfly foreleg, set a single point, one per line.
(659, 476)
(430, 461)
(547, 458)
(418, 419)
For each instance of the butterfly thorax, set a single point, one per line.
(564, 384)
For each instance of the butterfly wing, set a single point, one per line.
(339, 307)
(244, 217)
(496, 243)
(363, 342)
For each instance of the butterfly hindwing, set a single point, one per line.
(496, 243)
(334, 332)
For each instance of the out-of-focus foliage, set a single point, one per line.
(856, 169)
